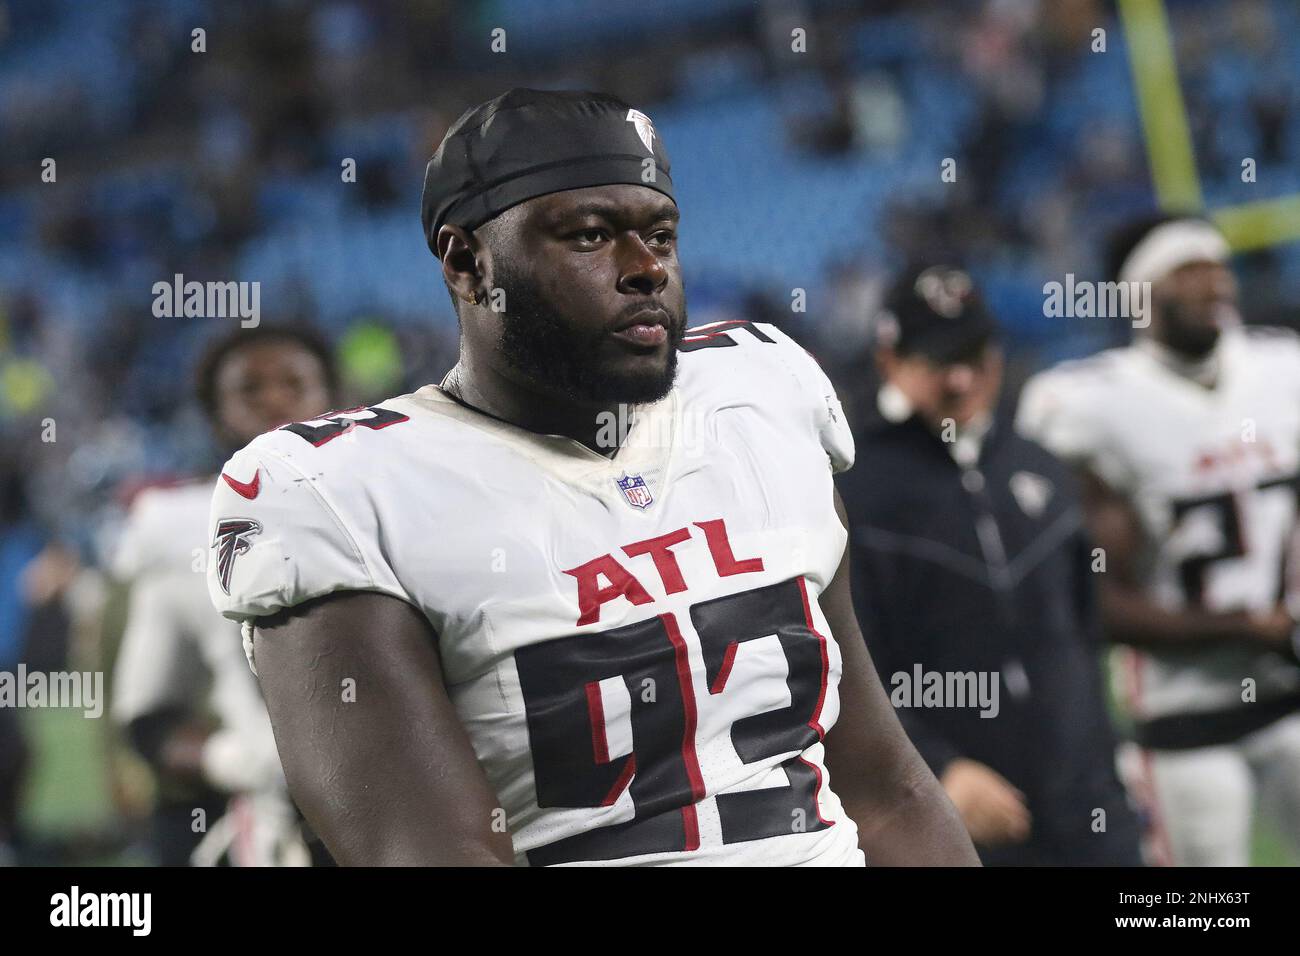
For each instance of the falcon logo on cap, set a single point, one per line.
(944, 290)
(644, 128)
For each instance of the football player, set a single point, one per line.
(182, 688)
(1189, 440)
(583, 602)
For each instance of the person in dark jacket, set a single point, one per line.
(973, 582)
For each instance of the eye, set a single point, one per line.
(590, 236)
(664, 238)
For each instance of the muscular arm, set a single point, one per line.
(389, 778)
(903, 815)
(1131, 616)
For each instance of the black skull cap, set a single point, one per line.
(526, 143)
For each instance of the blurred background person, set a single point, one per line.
(1189, 445)
(182, 687)
(969, 558)
(291, 150)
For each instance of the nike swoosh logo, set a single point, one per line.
(248, 489)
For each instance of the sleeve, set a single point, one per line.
(131, 554)
(1062, 413)
(279, 537)
(157, 659)
(818, 397)
(832, 427)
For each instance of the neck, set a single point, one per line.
(534, 409)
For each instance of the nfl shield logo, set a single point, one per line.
(635, 490)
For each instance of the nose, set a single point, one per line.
(959, 378)
(277, 400)
(1223, 284)
(641, 271)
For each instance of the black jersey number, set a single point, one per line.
(1226, 512)
(717, 336)
(581, 760)
(334, 424)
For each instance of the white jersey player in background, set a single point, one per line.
(181, 687)
(496, 626)
(1190, 444)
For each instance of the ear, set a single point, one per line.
(459, 252)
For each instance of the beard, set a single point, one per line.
(1185, 335)
(547, 350)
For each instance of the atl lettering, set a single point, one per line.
(622, 583)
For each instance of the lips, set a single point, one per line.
(646, 328)
(648, 335)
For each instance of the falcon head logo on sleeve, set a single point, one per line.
(231, 541)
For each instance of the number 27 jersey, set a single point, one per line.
(1212, 475)
(634, 644)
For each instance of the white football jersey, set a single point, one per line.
(1212, 475)
(633, 643)
(176, 650)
